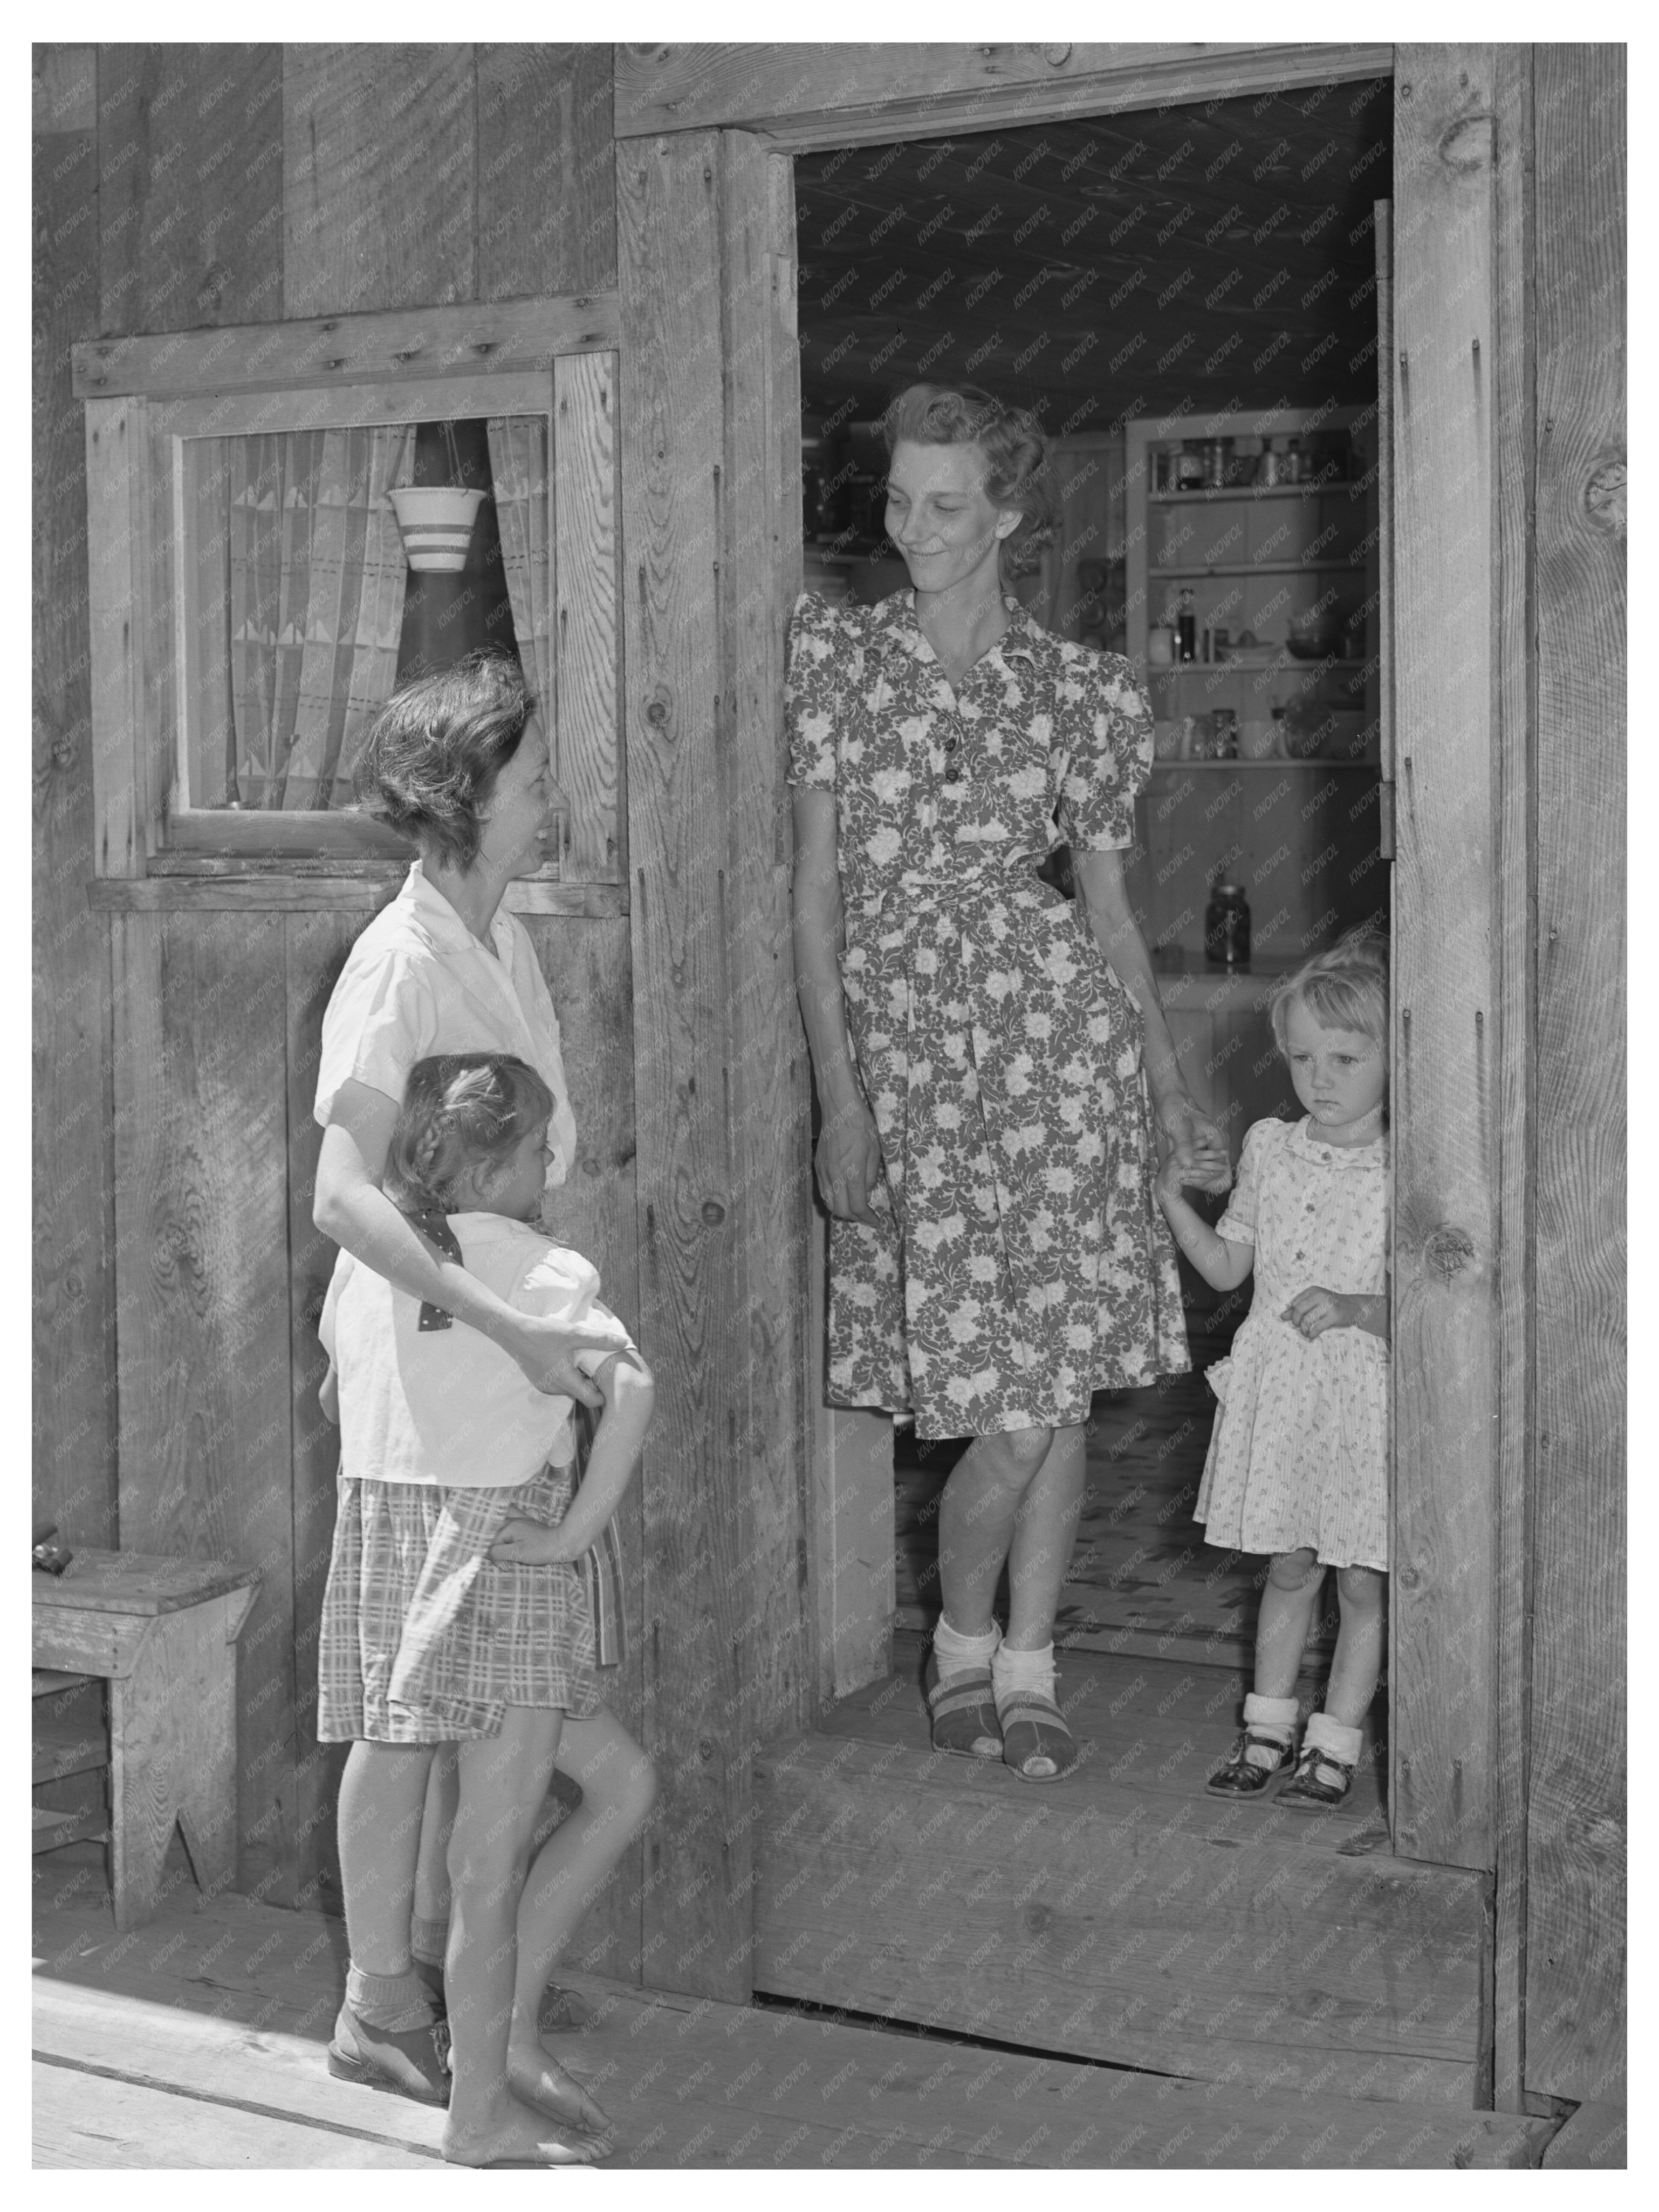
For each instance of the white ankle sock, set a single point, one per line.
(396, 2003)
(1323, 1734)
(955, 1654)
(429, 1939)
(1030, 1671)
(1272, 1717)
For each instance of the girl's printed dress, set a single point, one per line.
(1299, 1453)
(1025, 1264)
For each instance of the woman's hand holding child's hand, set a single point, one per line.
(531, 1544)
(1182, 1169)
(1314, 1310)
(1199, 1144)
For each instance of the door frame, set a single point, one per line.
(1462, 1058)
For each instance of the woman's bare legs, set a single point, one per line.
(1014, 1500)
(619, 1787)
(1045, 1532)
(382, 1792)
(977, 1516)
(504, 1779)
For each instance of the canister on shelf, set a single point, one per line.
(1186, 627)
(1227, 926)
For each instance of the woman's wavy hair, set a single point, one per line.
(1016, 450)
(436, 747)
(1345, 988)
(460, 1110)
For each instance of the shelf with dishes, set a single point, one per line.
(1213, 495)
(1178, 767)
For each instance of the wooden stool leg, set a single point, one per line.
(173, 1736)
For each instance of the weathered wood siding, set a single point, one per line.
(721, 1227)
(1575, 1985)
(1441, 1632)
(74, 1468)
(176, 187)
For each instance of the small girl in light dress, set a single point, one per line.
(1298, 1460)
(457, 1611)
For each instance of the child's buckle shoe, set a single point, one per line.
(411, 2062)
(1320, 1782)
(1244, 1777)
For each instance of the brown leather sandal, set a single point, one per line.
(963, 1712)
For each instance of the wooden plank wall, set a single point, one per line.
(1441, 1624)
(1575, 1969)
(74, 1291)
(182, 187)
(721, 1225)
(1514, 750)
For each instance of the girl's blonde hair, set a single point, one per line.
(1346, 989)
(460, 1110)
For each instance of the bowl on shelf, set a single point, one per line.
(1314, 635)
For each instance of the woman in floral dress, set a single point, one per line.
(989, 1056)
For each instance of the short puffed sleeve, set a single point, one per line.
(821, 652)
(1237, 1223)
(1106, 726)
(382, 1018)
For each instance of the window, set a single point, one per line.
(257, 596)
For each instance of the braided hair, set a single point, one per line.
(460, 1110)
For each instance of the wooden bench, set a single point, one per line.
(163, 1634)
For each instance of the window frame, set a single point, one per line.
(145, 398)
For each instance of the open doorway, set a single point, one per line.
(1188, 299)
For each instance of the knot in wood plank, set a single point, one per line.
(1605, 493)
(1447, 1251)
(1467, 145)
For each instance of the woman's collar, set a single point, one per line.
(902, 633)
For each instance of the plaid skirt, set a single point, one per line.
(423, 1639)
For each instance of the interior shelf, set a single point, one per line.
(1200, 492)
(1289, 666)
(1267, 569)
(1252, 767)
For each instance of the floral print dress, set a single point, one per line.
(1299, 1453)
(1024, 1263)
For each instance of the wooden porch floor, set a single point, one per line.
(197, 2042)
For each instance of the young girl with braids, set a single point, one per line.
(1298, 1461)
(457, 1611)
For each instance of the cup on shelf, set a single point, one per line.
(1160, 646)
(1257, 738)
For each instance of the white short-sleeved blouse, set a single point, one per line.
(418, 983)
(449, 1406)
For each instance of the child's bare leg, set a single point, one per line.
(503, 1780)
(381, 1794)
(1358, 1665)
(619, 1787)
(431, 1915)
(1282, 1627)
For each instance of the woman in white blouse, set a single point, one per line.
(458, 762)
